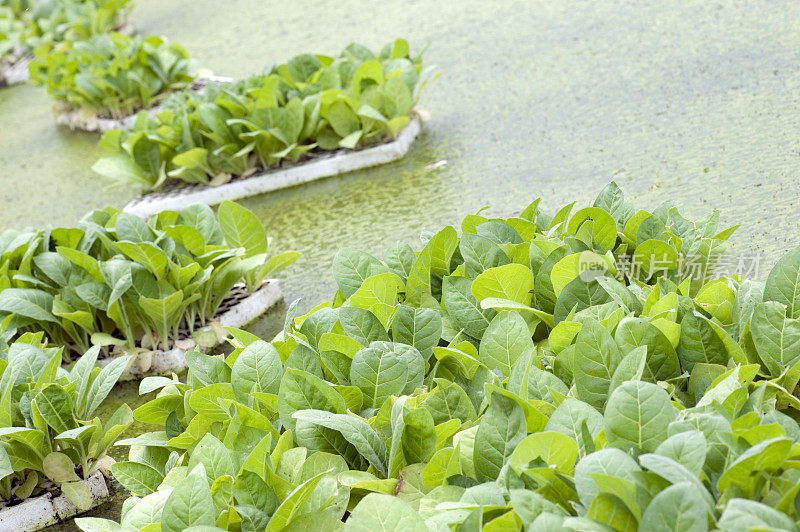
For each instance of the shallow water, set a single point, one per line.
(692, 101)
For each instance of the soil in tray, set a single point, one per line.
(237, 294)
(45, 487)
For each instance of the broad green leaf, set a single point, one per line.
(637, 416)
(418, 327)
(596, 359)
(351, 268)
(506, 339)
(189, 504)
(300, 390)
(258, 368)
(607, 462)
(378, 294)
(242, 228)
(379, 511)
(783, 283)
(501, 429)
(776, 337)
(556, 449)
(744, 514)
(139, 478)
(510, 281)
(676, 509)
(384, 369)
(355, 430)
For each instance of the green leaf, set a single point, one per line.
(556, 449)
(612, 462)
(59, 468)
(79, 494)
(419, 436)
(776, 337)
(242, 228)
(637, 416)
(343, 119)
(463, 308)
(378, 294)
(384, 369)
(132, 228)
(744, 514)
(612, 200)
(351, 268)
(569, 418)
(55, 406)
(676, 509)
(506, 339)
(481, 254)
(148, 255)
(355, 430)
(449, 401)
(688, 448)
(300, 390)
(699, 343)
(510, 281)
(500, 430)
(103, 384)
(378, 511)
(217, 460)
(766, 456)
(603, 228)
(258, 368)
(418, 327)
(28, 302)
(662, 360)
(122, 168)
(783, 283)
(293, 504)
(208, 401)
(596, 359)
(189, 504)
(139, 478)
(670, 470)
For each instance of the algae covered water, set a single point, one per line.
(693, 102)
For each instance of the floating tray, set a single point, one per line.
(17, 72)
(85, 120)
(44, 510)
(320, 167)
(242, 309)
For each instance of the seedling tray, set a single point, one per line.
(16, 72)
(322, 166)
(238, 309)
(85, 120)
(48, 509)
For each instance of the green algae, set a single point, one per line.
(691, 101)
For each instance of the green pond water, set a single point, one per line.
(694, 101)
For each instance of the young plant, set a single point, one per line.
(26, 25)
(47, 431)
(311, 104)
(118, 280)
(537, 372)
(113, 75)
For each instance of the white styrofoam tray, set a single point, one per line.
(325, 166)
(17, 72)
(160, 362)
(44, 510)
